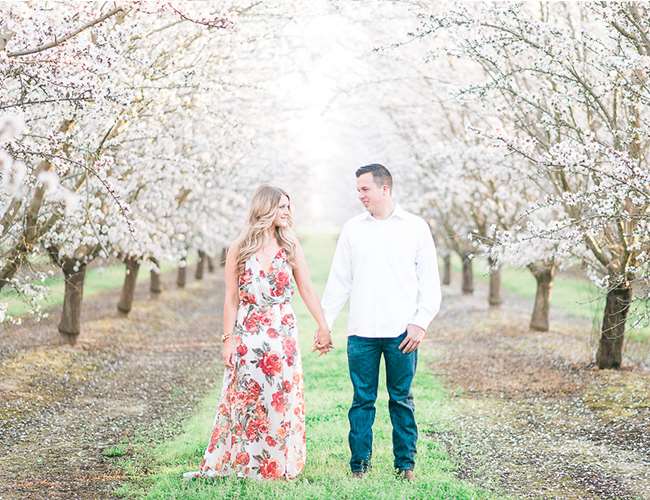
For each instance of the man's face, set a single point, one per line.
(371, 195)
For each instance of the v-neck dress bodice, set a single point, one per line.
(263, 289)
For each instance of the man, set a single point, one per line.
(385, 263)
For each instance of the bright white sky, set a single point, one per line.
(335, 123)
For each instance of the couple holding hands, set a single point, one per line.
(385, 265)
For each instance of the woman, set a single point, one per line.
(259, 429)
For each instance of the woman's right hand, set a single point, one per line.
(323, 341)
(227, 351)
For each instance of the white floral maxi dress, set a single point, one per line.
(259, 428)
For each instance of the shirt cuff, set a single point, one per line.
(421, 320)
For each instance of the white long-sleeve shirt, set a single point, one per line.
(388, 270)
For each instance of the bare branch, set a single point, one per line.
(68, 36)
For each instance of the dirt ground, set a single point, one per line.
(529, 414)
(63, 408)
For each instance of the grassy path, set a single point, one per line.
(156, 471)
(129, 407)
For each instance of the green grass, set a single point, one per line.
(155, 471)
(114, 451)
(98, 280)
(574, 296)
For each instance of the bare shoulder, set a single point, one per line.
(298, 251)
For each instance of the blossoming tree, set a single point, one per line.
(572, 81)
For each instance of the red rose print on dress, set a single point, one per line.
(265, 319)
(278, 401)
(251, 323)
(280, 284)
(245, 278)
(270, 364)
(242, 458)
(281, 280)
(241, 396)
(216, 432)
(253, 391)
(255, 320)
(269, 468)
(247, 298)
(256, 427)
(289, 346)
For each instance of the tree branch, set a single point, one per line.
(66, 37)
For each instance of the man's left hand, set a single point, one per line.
(414, 335)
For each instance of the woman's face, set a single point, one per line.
(283, 215)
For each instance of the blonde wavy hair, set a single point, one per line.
(263, 210)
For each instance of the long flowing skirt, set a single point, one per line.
(259, 427)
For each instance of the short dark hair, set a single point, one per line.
(380, 174)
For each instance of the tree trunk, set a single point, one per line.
(155, 285)
(446, 276)
(210, 264)
(200, 266)
(494, 297)
(612, 333)
(74, 274)
(544, 277)
(181, 276)
(128, 288)
(32, 232)
(468, 275)
(224, 250)
(12, 262)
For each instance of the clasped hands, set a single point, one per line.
(322, 341)
(414, 336)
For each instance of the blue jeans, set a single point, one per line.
(364, 355)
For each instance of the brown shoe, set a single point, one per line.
(358, 474)
(406, 475)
